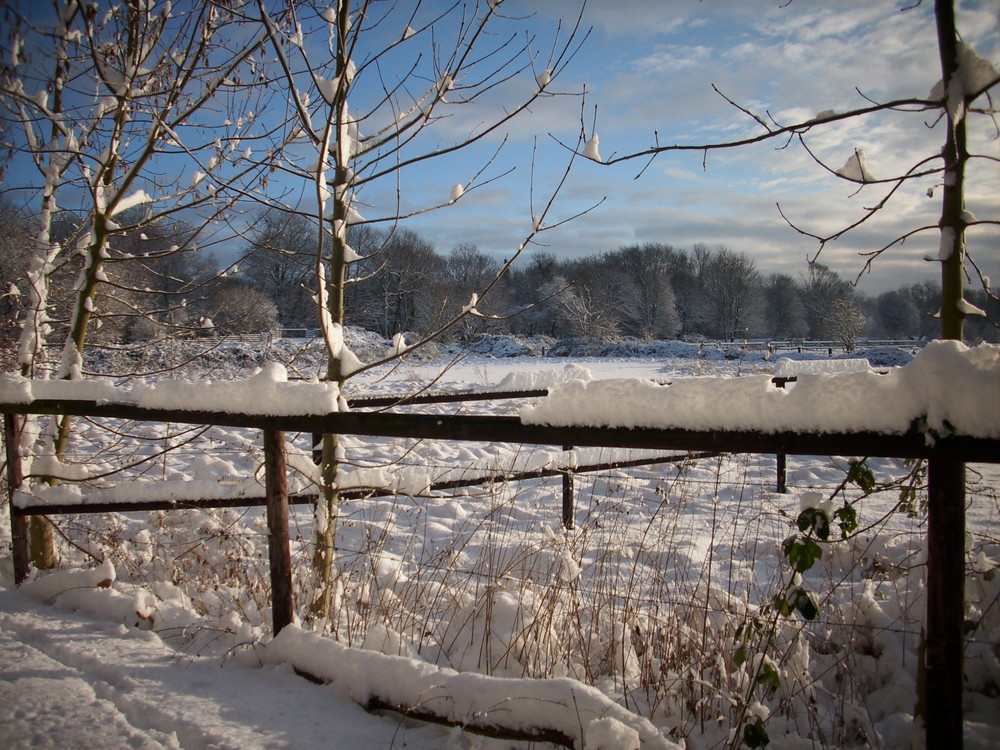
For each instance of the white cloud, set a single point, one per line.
(667, 59)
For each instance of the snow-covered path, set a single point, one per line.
(69, 681)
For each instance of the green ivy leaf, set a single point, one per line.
(754, 735)
(740, 657)
(805, 604)
(783, 606)
(816, 520)
(801, 553)
(862, 476)
(847, 519)
(769, 678)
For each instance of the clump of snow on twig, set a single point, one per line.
(856, 168)
(590, 150)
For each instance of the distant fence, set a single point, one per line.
(754, 345)
(946, 480)
(795, 345)
(266, 337)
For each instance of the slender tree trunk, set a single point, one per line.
(332, 314)
(944, 652)
(955, 156)
(41, 538)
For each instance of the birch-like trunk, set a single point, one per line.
(331, 301)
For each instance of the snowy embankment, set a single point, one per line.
(96, 680)
(582, 715)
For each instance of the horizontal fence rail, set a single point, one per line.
(353, 493)
(912, 444)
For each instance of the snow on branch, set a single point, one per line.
(855, 168)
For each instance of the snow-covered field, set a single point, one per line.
(662, 597)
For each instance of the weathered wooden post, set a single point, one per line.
(945, 602)
(278, 546)
(782, 457)
(567, 495)
(15, 477)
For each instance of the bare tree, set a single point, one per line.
(532, 289)
(132, 115)
(234, 307)
(114, 110)
(730, 286)
(279, 262)
(845, 323)
(409, 281)
(784, 311)
(927, 298)
(15, 249)
(646, 294)
(358, 127)
(585, 309)
(467, 271)
(897, 314)
(824, 292)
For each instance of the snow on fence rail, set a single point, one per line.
(209, 494)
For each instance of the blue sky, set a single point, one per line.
(649, 66)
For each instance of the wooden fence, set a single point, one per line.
(946, 493)
(828, 347)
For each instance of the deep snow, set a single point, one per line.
(72, 680)
(661, 560)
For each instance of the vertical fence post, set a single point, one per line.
(945, 602)
(278, 546)
(15, 477)
(782, 457)
(317, 447)
(567, 495)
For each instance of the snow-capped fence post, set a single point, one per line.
(278, 548)
(945, 602)
(15, 477)
(567, 494)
